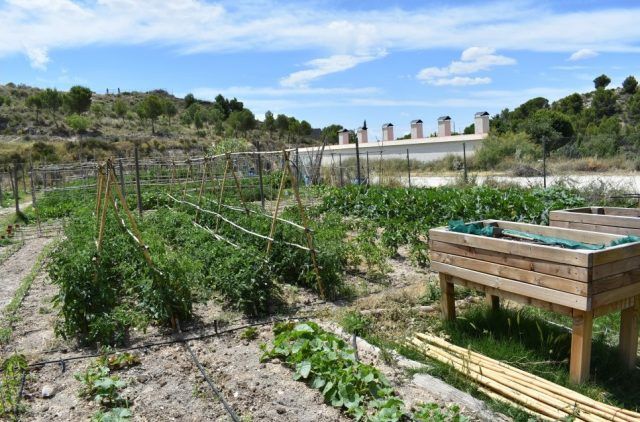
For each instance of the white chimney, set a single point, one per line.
(343, 137)
(363, 138)
(481, 122)
(416, 129)
(387, 132)
(444, 126)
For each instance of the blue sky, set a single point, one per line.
(326, 61)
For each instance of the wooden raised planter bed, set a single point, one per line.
(580, 283)
(625, 221)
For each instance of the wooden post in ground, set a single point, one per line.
(493, 302)
(33, 201)
(307, 232)
(260, 177)
(138, 180)
(272, 229)
(121, 177)
(16, 188)
(580, 362)
(447, 299)
(629, 335)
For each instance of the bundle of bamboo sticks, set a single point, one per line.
(518, 388)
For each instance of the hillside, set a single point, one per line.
(602, 123)
(63, 123)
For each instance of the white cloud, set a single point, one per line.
(271, 25)
(472, 60)
(38, 57)
(583, 53)
(325, 66)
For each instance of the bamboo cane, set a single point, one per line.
(586, 414)
(506, 391)
(531, 378)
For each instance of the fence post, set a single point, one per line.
(33, 201)
(260, 175)
(408, 167)
(340, 167)
(135, 156)
(121, 178)
(1, 195)
(368, 173)
(544, 162)
(380, 172)
(464, 158)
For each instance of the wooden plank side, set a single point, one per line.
(571, 234)
(617, 267)
(615, 253)
(623, 231)
(523, 289)
(548, 253)
(526, 263)
(596, 219)
(531, 277)
(615, 282)
(564, 310)
(615, 295)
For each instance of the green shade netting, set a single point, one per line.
(480, 229)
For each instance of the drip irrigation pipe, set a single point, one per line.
(215, 390)
(159, 343)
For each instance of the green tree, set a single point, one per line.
(120, 108)
(528, 108)
(633, 109)
(571, 104)
(269, 122)
(629, 85)
(78, 99)
(242, 120)
(469, 130)
(152, 108)
(305, 128)
(601, 81)
(282, 124)
(35, 102)
(169, 109)
(78, 123)
(556, 127)
(189, 99)
(604, 103)
(52, 100)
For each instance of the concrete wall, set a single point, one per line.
(425, 149)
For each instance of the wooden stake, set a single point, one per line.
(305, 223)
(272, 230)
(224, 181)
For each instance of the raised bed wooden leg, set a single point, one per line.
(629, 336)
(581, 346)
(447, 300)
(493, 302)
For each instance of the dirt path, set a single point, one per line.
(17, 267)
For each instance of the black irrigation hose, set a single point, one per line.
(16, 409)
(159, 343)
(294, 313)
(215, 390)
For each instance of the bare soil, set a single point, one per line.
(168, 386)
(16, 268)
